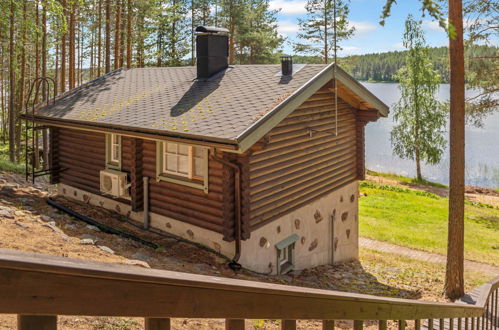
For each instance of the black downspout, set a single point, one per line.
(237, 187)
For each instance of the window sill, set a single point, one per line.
(183, 181)
(111, 166)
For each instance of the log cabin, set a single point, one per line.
(258, 162)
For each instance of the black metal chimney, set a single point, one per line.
(212, 50)
(287, 65)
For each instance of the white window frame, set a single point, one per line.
(187, 179)
(113, 142)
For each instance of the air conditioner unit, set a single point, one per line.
(114, 183)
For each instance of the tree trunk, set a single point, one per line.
(108, 36)
(99, 37)
(418, 165)
(12, 82)
(44, 74)
(63, 51)
(72, 75)
(22, 81)
(193, 23)
(37, 44)
(129, 35)
(454, 279)
(123, 35)
(117, 35)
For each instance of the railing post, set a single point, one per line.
(451, 323)
(327, 324)
(382, 324)
(441, 324)
(288, 324)
(36, 322)
(417, 324)
(157, 323)
(358, 325)
(430, 324)
(402, 324)
(234, 324)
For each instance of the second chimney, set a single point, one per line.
(286, 65)
(212, 50)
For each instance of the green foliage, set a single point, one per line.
(317, 29)
(432, 7)
(481, 71)
(420, 222)
(258, 39)
(420, 118)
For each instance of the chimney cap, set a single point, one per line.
(211, 29)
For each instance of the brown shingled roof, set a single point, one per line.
(171, 101)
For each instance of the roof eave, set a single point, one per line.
(220, 143)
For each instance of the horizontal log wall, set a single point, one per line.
(188, 204)
(303, 158)
(81, 155)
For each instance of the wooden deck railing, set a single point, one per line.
(39, 287)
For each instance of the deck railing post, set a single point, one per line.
(234, 324)
(327, 324)
(382, 325)
(417, 324)
(358, 325)
(402, 324)
(157, 323)
(36, 322)
(288, 324)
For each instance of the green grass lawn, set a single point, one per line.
(417, 219)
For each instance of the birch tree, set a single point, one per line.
(420, 118)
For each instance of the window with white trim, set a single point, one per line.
(183, 164)
(113, 151)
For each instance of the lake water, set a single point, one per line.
(482, 146)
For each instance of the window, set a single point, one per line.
(113, 151)
(183, 164)
(285, 254)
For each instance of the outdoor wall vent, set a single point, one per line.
(287, 65)
(212, 50)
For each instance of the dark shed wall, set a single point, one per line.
(303, 158)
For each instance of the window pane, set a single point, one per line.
(183, 149)
(171, 163)
(116, 152)
(183, 164)
(171, 148)
(199, 167)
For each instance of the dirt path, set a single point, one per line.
(425, 256)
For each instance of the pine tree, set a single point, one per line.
(419, 116)
(258, 38)
(317, 29)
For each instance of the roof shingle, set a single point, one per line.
(170, 100)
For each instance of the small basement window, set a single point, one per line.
(285, 254)
(183, 164)
(113, 151)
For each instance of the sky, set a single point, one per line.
(370, 37)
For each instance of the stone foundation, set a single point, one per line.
(327, 230)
